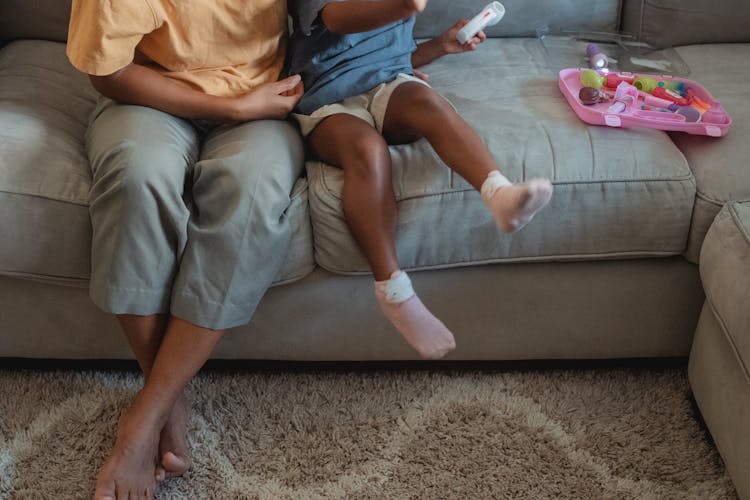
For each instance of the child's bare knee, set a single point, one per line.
(424, 99)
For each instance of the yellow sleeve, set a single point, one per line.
(103, 34)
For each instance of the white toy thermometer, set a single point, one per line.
(490, 15)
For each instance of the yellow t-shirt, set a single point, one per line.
(221, 47)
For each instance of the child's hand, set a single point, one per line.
(421, 75)
(450, 45)
(415, 5)
(443, 45)
(270, 100)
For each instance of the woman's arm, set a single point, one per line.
(137, 84)
(357, 16)
(445, 44)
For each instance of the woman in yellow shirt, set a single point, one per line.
(192, 172)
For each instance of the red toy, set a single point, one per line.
(670, 95)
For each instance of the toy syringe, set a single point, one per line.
(490, 15)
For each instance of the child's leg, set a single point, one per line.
(415, 111)
(355, 146)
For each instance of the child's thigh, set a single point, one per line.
(413, 109)
(342, 138)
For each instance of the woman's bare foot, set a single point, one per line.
(173, 446)
(129, 470)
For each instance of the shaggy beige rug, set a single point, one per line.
(520, 433)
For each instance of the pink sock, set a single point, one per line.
(427, 334)
(514, 205)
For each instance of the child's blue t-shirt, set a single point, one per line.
(334, 67)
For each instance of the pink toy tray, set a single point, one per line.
(714, 121)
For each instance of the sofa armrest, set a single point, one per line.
(720, 165)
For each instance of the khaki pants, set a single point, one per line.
(369, 106)
(187, 220)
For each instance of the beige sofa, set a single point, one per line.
(607, 270)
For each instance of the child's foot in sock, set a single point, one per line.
(427, 334)
(514, 205)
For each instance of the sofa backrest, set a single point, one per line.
(48, 19)
(43, 19)
(659, 22)
(523, 17)
(665, 23)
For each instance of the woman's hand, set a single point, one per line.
(270, 100)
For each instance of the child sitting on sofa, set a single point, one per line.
(356, 59)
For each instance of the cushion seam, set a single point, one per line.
(45, 197)
(78, 282)
(83, 281)
(631, 254)
(700, 194)
(738, 222)
(730, 340)
(333, 193)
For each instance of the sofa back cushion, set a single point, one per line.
(48, 19)
(522, 17)
(42, 19)
(667, 23)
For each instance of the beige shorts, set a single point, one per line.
(370, 106)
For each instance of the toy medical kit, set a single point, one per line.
(643, 100)
(489, 16)
(597, 59)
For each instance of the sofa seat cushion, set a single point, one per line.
(721, 166)
(618, 193)
(725, 268)
(45, 177)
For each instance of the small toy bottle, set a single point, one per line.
(597, 58)
(645, 84)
